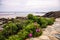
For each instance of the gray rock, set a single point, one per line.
(57, 36)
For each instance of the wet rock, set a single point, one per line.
(57, 36)
(55, 14)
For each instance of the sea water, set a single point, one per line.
(19, 14)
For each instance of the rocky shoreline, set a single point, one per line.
(52, 32)
(55, 14)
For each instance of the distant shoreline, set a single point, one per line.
(24, 14)
(13, 15)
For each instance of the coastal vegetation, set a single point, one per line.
(18, 29)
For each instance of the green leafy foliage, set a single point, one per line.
(30, 16)
(2, 37)
(36, 34)
(9, 29)
(23, 34)
(13, 37)
(31, 28)
(35, 18)
(20, 26)
(17, 29)
(26, 22)
(50, 21)
(43, 22)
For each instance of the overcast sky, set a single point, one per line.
(29, 5)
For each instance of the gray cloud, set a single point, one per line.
(29, 5)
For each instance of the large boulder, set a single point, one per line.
(55, 14)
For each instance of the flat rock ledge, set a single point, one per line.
(52, 32)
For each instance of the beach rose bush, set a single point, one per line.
(1, 36)
(43, 22)
(19, 26)
(30, 16)
(13, 37)
(23, 34)
(50, 20)
(31, 30)
(38, 32)
(34, 28)
(17, 29)
(9, 29)
(26, 22)
(36, 19)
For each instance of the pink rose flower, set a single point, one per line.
(37, 30)
(30, 35)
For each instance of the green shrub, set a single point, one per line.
(20, 26)
(28, 22)
(43, 24)
(13, 37)
(17, 21)
(31, 28)
(50, 21)
(30, 16)
(9, 29)
(35, 18)
(2, 37)
(25, 29)
(42, 21)
(23, 34)
(37, 33)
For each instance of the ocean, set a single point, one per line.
(19, 14)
